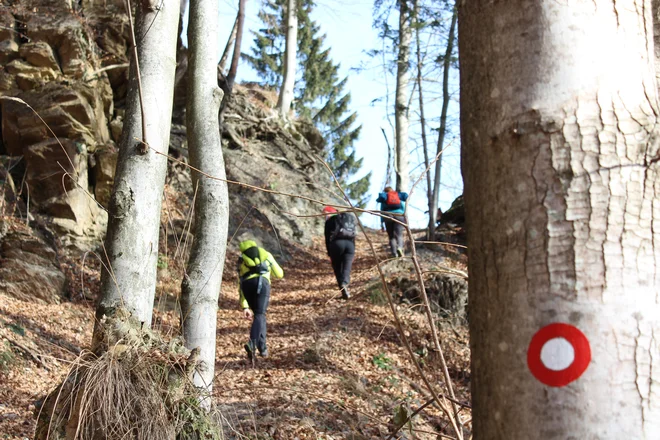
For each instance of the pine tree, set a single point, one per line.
(319, 91)
(268, 47)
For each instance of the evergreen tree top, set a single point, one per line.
(319, 91)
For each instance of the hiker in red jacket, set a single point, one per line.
(392, 205)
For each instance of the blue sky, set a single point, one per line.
(348, 25)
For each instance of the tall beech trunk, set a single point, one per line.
(134, 213)
(201, 284)
(291, 48)
(559, 133)
(401, 101)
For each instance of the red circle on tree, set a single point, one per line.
(581, 354)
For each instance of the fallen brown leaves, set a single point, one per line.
(336, 368)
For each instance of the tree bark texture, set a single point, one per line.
(401, 121)
(134, 214)
(291, 48)
(559, 155)
(203, 278)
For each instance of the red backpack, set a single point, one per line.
(393, 201)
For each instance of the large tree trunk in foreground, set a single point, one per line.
(290, 59)
(401, 102)
(134, 213)
(559, 113)
(201, 284)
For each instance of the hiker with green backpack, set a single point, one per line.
(340, 232)
(254, 268)
(393, 207)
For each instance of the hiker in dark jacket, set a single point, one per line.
(254, 268)
(340, 235)
(393, 207)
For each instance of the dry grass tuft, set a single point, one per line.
(139, 387)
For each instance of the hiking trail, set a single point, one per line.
(336, 369)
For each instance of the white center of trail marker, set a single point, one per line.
(557, 354)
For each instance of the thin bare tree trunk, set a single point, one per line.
(201, 284)
(132, 240)
(290, 59)
(562, 189)
(230, 42)
(181, 50)
(429, 190)
(390, 159)
(437, 179)
(233, 69)
(401, 102)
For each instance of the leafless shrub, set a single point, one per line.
(138, 388)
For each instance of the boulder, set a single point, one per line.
(455, 214)
(447, 293)
(58, 180)
(47, 163)
(68, 37)
(116, 127)
(53, 65)
(104, 174)
(39, 54)
(75, 112)
(7, 25)
(29, 269)
(28, 76)
(8, 51)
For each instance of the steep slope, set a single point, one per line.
(337, 369)
(62, 94)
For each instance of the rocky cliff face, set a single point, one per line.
(62, 91)
(52, 54)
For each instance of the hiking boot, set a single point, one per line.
(399, 252)
(263, 353)
(250, 350)
(345, 294)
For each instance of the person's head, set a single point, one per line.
(329, 211)
(247, 244)
(388, 189)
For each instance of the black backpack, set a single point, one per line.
(262, 268)
(346, 226)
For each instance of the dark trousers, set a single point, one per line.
(394, 232)
(342, 253)
(257, 294)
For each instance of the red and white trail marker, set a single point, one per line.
(558, 354)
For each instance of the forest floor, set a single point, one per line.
(337, 369)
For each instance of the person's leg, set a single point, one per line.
(335, 252)
(258, 330)
(398, 236)
(249, 288)
(389, 227)
(346, 262)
